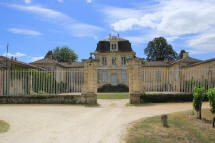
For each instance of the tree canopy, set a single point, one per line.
(158, 49)
(64, 54)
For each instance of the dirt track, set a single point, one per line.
(76, 124)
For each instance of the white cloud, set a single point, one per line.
(18, 54)
(172, 18)
(202, 44)
(27, 1)
(41, 11)
(60, 1)
(139, 39)
(83, 30)
(187, 17)
(89, 1)
(120, 26)
(24, 31)
(36, 58)
(114, 13)
(76, 28)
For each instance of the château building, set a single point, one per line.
(113, 54)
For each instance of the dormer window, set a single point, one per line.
(113, 47)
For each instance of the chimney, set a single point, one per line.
(118, 35)
(91, 55)
(15, 59)
(12, 58)
(185, 55)
(69, 61)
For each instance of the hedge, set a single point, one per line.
(167, 97)
(113, 88)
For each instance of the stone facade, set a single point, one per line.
(112, 54)
(113, 73)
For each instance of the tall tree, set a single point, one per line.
(180, 56)
(64, 54)
(158, 49)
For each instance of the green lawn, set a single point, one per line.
(113, 96)
(4, 126)
(183, 128)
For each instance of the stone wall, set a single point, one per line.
(135, 98)
(50, 99)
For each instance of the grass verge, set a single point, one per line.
(183, 128)
(4, 127)
(113, 96)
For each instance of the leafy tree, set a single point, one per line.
(158, 49)
(198, 97)
(211, 97)
(180, 56)
(64, 54)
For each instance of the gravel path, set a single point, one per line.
(76, 124)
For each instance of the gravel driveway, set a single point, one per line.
(76, 124)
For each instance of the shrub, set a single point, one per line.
(42, 93)
(211, 97)
(43, 81)
(113, 88)
(198, 96)
(62, 87)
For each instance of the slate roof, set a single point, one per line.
(103, 46)
(123, 44)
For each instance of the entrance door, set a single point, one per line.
(114, 79)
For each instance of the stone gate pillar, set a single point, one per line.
(135, 86)
(90, 80)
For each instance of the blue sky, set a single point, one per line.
(32, 27)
